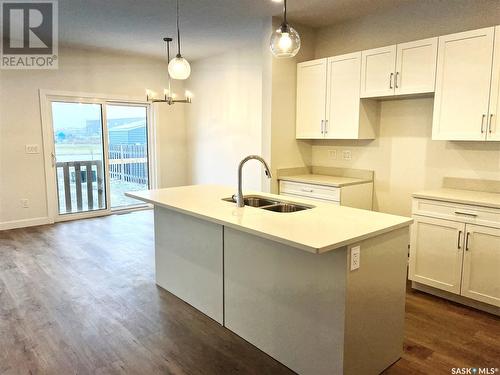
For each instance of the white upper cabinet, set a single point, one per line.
(416, 67)
(343, 119)
(311, 99)
(378, 71)
(463, 85)
(403, 69)
(493, 133)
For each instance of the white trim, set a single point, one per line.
(23, 223)
(46, 96)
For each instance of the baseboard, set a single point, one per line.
(25, 223)
(456, 298)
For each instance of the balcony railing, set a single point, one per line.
(81, 174)
(81, 183)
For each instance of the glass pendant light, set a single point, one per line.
(285, 41)
(179, 67)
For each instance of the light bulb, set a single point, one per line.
(179, 68)
(285, 42)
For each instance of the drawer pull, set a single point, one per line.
(465, 213)
(307, 190)
(459, 239)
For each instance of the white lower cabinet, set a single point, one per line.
(481, 267)
(457, 257)
(436, 253)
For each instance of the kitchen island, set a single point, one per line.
(285, 281)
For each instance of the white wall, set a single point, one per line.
(404, 157)
(22, 175)
(224, 120)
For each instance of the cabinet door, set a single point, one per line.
(311, 98)
(342, 98)
(493, 123)
(436, 253)
(416, 67)
(463, 85)
(377, 72)
(481, 269)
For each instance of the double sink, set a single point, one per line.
(268, 204)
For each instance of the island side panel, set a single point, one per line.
(189, 260)
(375, 304)
(287, 302)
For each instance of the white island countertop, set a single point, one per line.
(320, 229)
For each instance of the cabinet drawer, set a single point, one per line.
(310, 191)
(458, 212)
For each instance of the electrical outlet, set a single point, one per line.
(32, 149)
(25, 203)
(332, 154)
(346, 155)
(355, 257)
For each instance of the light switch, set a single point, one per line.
(346, 155)
(32, 149)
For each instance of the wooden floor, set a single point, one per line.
(80, 297)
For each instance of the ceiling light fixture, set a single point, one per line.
(179, 67)
(168, 95)
(285, 41)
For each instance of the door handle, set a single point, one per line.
(396, 80)
(459, 239)
(390, 80)
(467, 241)
(53, 159)
(482, 123)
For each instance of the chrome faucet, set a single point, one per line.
(239, 196)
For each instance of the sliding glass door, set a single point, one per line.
(128, 152)
(99, 152)
(78, 157)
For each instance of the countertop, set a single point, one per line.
(477, 198)
(320, 229)
(320, 179)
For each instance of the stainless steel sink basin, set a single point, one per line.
(270, 204)
(286, 207)
(253, 201)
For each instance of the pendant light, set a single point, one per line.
(179, 67)
(285, 41)
(168, 96)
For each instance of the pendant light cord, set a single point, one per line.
(179, 33)
(284, 12)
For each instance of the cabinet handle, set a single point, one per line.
(467, 241)
(482, 123)
(390, 80)
(322, 131)
(459, 239)
(465, 213)
(396, 80)
(326, 126)
(489, 126)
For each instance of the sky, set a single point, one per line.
(77, 114)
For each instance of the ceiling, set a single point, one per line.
(208, 27)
